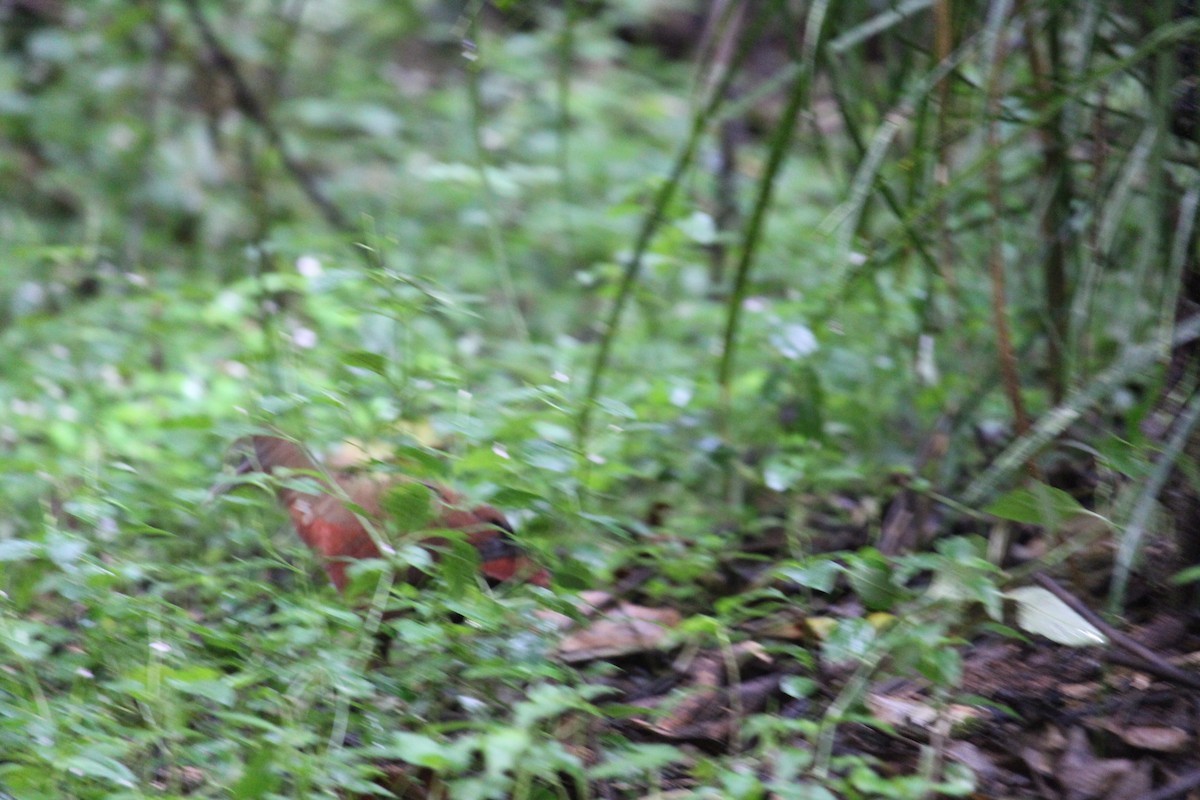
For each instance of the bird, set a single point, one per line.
(336, 532)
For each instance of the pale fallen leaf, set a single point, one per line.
(627, 629)
(905, 713)
(1083, 775)
(1158, 738)
(1040, 612)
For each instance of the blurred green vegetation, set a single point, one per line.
(422, 224)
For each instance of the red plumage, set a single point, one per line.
(338, 536)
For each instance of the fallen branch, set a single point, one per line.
(1150, 661)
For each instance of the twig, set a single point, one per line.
(248, 103)
(1152, 662)
(653, 219)
(1010, 376)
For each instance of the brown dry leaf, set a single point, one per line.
(789, 624)
(697, 708)
(1084, 776)
(1080, 691)
(708, 667)
(709, 713)
(908, 714)
(1037, 760)
(1187, 659)
(626, 629)
(1135, 784)
(1158, 738)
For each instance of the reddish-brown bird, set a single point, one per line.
(338, 536)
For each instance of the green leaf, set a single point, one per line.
(1186, 576)
(409, 506)
(503, 749)
(418, 462)
(819, 573)
(742, 785)
(870, 577)
(420, 750)
(509, 497)
(98, 766)
(364, 359)
(460, 565)
(942, 665)
(1037, 505)
(849, 640)
(574, 575)
(259, 779)
(637, 760)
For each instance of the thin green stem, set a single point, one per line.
(495, 237)
(780, 141)
(566, 53)
(651, 222)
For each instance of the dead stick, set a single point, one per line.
(1153, 662)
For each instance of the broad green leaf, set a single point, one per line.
(99, 766)
(819, 573)
(258, 779)
(460, 565)
(503, 749)
(422, 751)
(409, 506)
(363, 359)
(1036, 505)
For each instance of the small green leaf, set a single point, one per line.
(574, 575)
(942, 665)
(509, 497)
(418, 462)
(819, 573)
(422, 751)
(364, 359)
(102, 767)
(460, 565)
(1037, 505)
(1186, 576)
(636, 760)
(409, 506)
(258, 779)
(849, 640)
(503, 750)
(870, 577)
